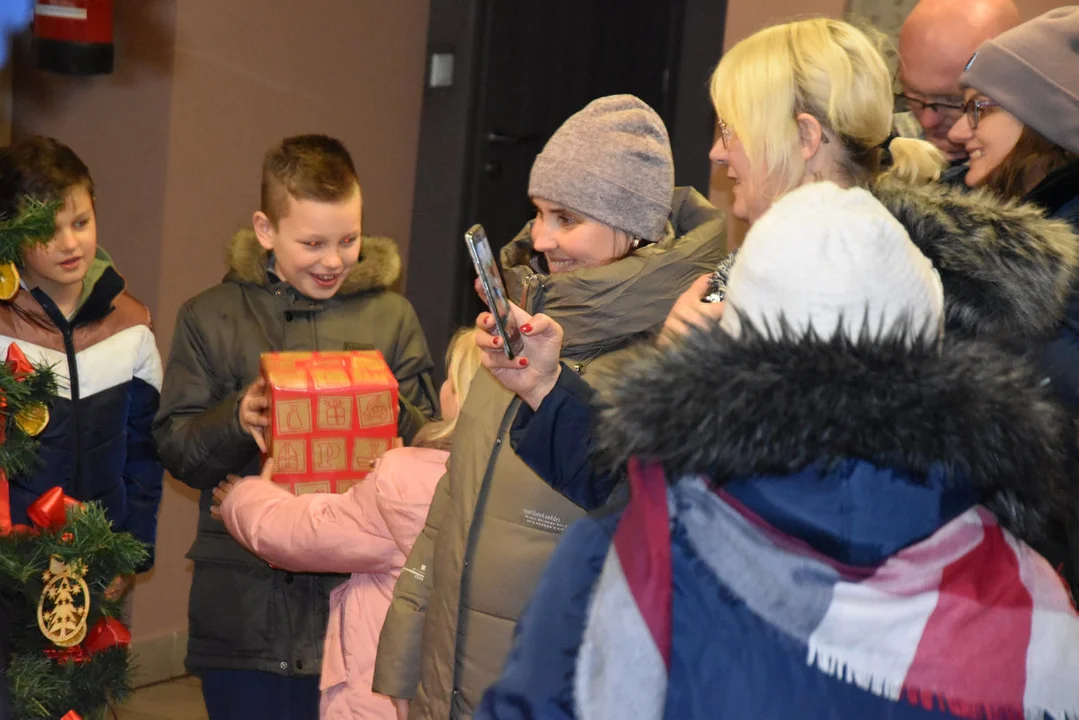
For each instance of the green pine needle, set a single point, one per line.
(18, 452)
(35, 225)
(43, 688)
(16, 391)
(43, 384)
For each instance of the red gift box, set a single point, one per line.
(332, 415)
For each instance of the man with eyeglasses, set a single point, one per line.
(935, 43)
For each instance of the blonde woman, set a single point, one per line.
(368, 532)
(804, 102)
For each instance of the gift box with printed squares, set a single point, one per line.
(332, 415)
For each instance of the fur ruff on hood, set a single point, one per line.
(378, 268)
(1007, 270)
(728, 409)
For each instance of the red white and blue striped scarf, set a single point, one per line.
(969, 619)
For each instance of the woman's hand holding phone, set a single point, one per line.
(690, 310)
(532, 374)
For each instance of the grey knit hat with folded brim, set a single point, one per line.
(611, 161)
(1033, 72)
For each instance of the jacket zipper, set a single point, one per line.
(530, 301)
(73, 380)
(310, 313)
(68, 333)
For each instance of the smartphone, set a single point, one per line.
(494, 290)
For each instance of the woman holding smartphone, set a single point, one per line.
(611, 247)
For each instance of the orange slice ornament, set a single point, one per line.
(9, 281)
(33, 419)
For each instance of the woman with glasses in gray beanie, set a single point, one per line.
(1021, 115)
(611, 247)
(1021, 129)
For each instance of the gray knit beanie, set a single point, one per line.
(1033, 72)
(611, 161)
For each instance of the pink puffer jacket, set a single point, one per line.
(368, 532)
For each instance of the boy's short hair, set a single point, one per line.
(305, 167)
(39, 168)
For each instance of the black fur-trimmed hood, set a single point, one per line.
(1007, 270)
(378, 268)
(761, 407)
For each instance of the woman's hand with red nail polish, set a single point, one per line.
(531, 374)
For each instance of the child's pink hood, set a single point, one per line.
(405, 482)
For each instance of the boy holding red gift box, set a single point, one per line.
(301, 279)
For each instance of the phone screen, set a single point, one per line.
(494, 290)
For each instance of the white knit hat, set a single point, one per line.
(831, 259)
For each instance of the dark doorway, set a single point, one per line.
(541, 62)
(521, 68)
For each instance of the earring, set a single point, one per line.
(636, 242)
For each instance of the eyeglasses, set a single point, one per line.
(973, 110)
(725, 133)
(905, 103)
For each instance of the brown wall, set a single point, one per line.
(175, 140)
(1033, 8)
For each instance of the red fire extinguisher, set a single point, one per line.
(74, 37)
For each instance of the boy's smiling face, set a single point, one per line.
(59, 267)
(315, 243)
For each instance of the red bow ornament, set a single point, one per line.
(107, 633)
(17, 362)
(76, 654)
(48, 512)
